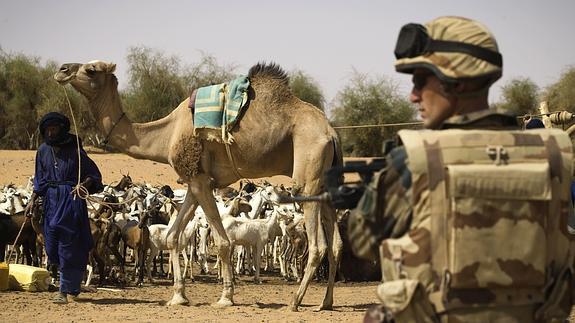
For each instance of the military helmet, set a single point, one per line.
(453, 48)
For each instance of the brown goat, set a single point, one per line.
(106, 235)
(9, 228)
(137, 236)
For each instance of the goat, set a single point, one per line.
(137, 236)
(250, 233)
(296, 251)
(158, 241)
(9, 228)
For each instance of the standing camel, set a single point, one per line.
(278, 134)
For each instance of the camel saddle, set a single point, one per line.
(218, 106)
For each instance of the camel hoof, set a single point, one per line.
(178, 300)
(293, 308)
(257, 281)
(223, 302)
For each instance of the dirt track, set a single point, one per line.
(265, 302)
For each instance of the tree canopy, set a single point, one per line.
(520, 97)
(306, 89)
(561, 94)
(365, 101)
(158, 83)
(27, 92)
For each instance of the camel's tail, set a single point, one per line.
(338, 153)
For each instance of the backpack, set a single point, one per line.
(496, 205)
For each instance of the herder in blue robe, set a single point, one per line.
(66, 226)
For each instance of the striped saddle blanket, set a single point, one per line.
(218, 106)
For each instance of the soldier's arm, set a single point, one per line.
(385, 210)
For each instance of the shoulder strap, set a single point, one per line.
(425, 158)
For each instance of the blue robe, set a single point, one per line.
(66, 225)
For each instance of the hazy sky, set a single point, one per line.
(327, 39)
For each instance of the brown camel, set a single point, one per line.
(277, 135)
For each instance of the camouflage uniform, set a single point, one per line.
(387, 213)
(394, 219)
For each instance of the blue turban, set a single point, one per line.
(55, 118)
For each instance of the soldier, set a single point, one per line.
(469, 222)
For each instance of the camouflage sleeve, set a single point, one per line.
(385, 210)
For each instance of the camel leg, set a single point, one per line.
(317, 249)
(184, 216)
(335, 245)
(310, 175)
(201, 188)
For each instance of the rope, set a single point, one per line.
(231, 158)
(105, 142)
(18, 236)
(77, 135)
(416, 123)
(382, 125)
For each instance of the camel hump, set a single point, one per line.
(271, 71)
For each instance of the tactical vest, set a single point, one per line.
(488, 240)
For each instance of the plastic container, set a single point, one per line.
(30, 278)
(4, 274)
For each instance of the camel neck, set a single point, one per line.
(139, 140)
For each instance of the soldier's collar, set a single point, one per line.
(480, 118)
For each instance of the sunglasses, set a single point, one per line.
(419, 80)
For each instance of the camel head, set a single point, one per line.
(88, 79)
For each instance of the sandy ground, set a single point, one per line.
(256, 303)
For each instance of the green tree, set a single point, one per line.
(520, 96)
(159, 83)
(208, 72)
(306, 89)
(19, 82)
(155, 87)
(561, 94)
(366, 101)
(27, 92)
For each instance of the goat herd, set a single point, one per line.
(130, 221)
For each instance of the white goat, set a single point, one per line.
(251, 233)
(158, 241)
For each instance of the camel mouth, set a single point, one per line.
(63, 79)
